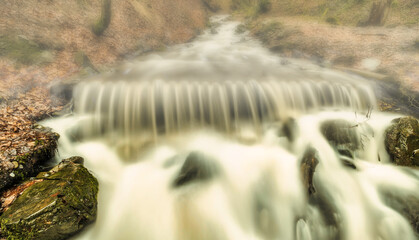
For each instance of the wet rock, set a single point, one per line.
(329, 212)
(348, 163)
(56, 205)
(341, 134)
(402, 141)
(345, 153)
(198, 167)
(408, 206)
(308, 167)
(346, 157)
(290, 129)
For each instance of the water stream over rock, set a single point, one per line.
(209, 140)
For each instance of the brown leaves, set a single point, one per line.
(17, 134)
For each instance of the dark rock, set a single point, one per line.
(197, 167)
(402, 141)
(341, 134)
(290, 129)
(329, 213)
(29, 163)
(408, 206)
(345, 153)
(348, 163)
(57, 205)
(308, 167)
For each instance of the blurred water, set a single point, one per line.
(226, 97)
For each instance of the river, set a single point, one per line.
(205, 141)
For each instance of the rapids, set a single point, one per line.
(228, 100)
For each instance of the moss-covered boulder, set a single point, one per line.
(59, 204)
(402, 141)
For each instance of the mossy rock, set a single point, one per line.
(30, 163)
(407, 206)
(61, 203)
(402, 141)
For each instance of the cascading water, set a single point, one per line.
(205, 142)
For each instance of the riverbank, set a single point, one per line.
(389, 56)
(42, 43)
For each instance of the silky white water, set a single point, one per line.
(226, 99)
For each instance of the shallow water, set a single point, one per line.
(225, 96)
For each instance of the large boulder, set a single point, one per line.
(54, 206)
(402, 141)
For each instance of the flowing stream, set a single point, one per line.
(205, 141)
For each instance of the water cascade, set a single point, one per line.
(208, 141)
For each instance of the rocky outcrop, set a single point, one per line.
(402, 141)
(23, 160)
(54, 206)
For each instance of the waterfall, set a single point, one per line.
(217, 139)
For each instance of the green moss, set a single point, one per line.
(23, 51)
(104, 20)
(55, 208)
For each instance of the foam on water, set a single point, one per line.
(226, 97)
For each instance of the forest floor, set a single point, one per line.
(386, 54)
(45, 42)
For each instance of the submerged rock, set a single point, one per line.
(341, 134)
(408, 206)
(58, 204)
(290, 129)
(402, 141)
(197, 167)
